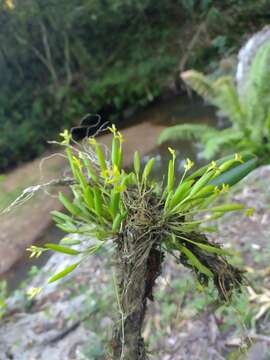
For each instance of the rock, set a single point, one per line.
(246, 55)
(258, 351)
(53, 328)
(45, 334)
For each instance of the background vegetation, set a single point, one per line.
(62, 59)
(248, 110)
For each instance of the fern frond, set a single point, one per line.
(224, 138)
(199, 83)
(249, 111)
(258, 80)
(187, 132)
(221, 93)
(256, 97)
(228, 101)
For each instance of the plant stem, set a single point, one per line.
(135, 284)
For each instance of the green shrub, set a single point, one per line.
(62, 59)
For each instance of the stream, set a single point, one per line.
(168, 112)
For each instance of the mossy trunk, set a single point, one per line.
(128, 343)
(136, 278)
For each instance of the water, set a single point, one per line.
(177, 110)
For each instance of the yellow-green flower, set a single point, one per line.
(250, 212)
(92, 141)
(172, 151)
(33, 292)
(10, 4)
(213, 166)
(35, 251)
(113, 129)
(112, 175)
(189, 164)
(238, 157)
(120, 137)
(66, 137)
(225, 188)
(77, 162)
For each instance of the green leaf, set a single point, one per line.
(127, 180)
(227, 165)
(101, 157)
(168, 200)
(63, 273)
(114, 204)
(62, 249)
(98, 201)
(148, 168)
(203, 181)
(94, 249)
(69, 153)
(137, 162)
(195, 261)
(70, 241)
(117, 223)
(171, 176)
(181, 192)
(90, 170)
(116, 152)
(60, 216)
(205, 192)
(236, 174)
(227, 207)
(68, 227)
(73, 209)
(208, 248)
(198, 173)
(89, 197)
(79, 175)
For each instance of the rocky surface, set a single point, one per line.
(246, 55)
(52, 325)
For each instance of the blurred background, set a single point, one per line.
(63, 59)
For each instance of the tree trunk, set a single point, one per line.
(136, 278)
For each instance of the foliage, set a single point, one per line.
(62, 59)
(107, 201)
(249, 112)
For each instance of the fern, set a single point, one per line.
(227, 137)
(187, 132)
(256, 97)
(249, 112)
(228, 101)
(221, 93)
(199, 83)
